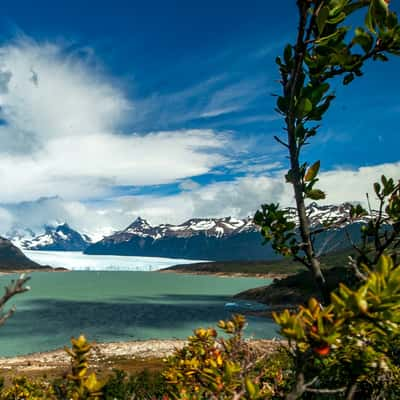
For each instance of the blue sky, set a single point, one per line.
(164, 109)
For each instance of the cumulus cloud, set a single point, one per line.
(61, 131)
(243, 196)
(239, 198)
(352, 184)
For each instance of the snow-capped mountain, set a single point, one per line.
(212, 227)
(61, 237)
(217, 238)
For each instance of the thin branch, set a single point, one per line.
(281, 141)
(303, 261)
(14, 288)
(357, 272)
(351, 392)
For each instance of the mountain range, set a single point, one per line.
(218, 239)
(221, 239)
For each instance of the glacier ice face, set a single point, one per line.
(77, 261)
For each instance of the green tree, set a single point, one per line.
(326, 48)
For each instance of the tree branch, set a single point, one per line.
(14, 288)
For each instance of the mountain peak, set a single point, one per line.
(55, 237)
(139, 222)
(63, 227)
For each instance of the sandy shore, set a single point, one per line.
(105, 356)
(99, 353)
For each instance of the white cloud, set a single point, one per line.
(233, 97)
(61, 132)
(242, 196)
(352, 184)
(239, 198)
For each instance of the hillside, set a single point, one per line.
(12, 258)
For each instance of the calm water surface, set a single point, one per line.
(114, 306)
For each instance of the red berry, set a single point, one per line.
(322, 350)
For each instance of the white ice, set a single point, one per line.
(77, 261)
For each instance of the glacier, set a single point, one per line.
(77, 261)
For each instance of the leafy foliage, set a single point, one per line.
(355, 338)
(327, 48)
(23, 388)
(212, 367)
(382, 233)
(83, 386)
(144, 385)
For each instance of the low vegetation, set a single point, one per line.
(282, 267)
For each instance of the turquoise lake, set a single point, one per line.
(121, 306)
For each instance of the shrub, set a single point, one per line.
(144, 385)
(351, 346)
(212, 367)
(23, 389)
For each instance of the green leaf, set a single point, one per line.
(369, 20)
(377, 188)
(381, 57)
(289, 176)
(348, 78)
(250, 388)
(321, 18)
(304, 107)
(381, 5)
(391, 20)
(364, 39)
(287, 54)
(326, 39)
(336, 20)
(282, 104)
(312, 172)
(318, 92)
(316, 194)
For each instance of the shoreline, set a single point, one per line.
(130, 356)
(164, 271)
(30, 271)
(224, 274)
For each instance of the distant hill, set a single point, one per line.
(220, 239)
(12, 258)
(260, 267)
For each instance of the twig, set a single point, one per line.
(357, 272)
(14, 288)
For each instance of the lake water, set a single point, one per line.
(120, 306)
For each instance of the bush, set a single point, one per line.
(23, 389)
(212, 367)
(144, 385)
(351, 346)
